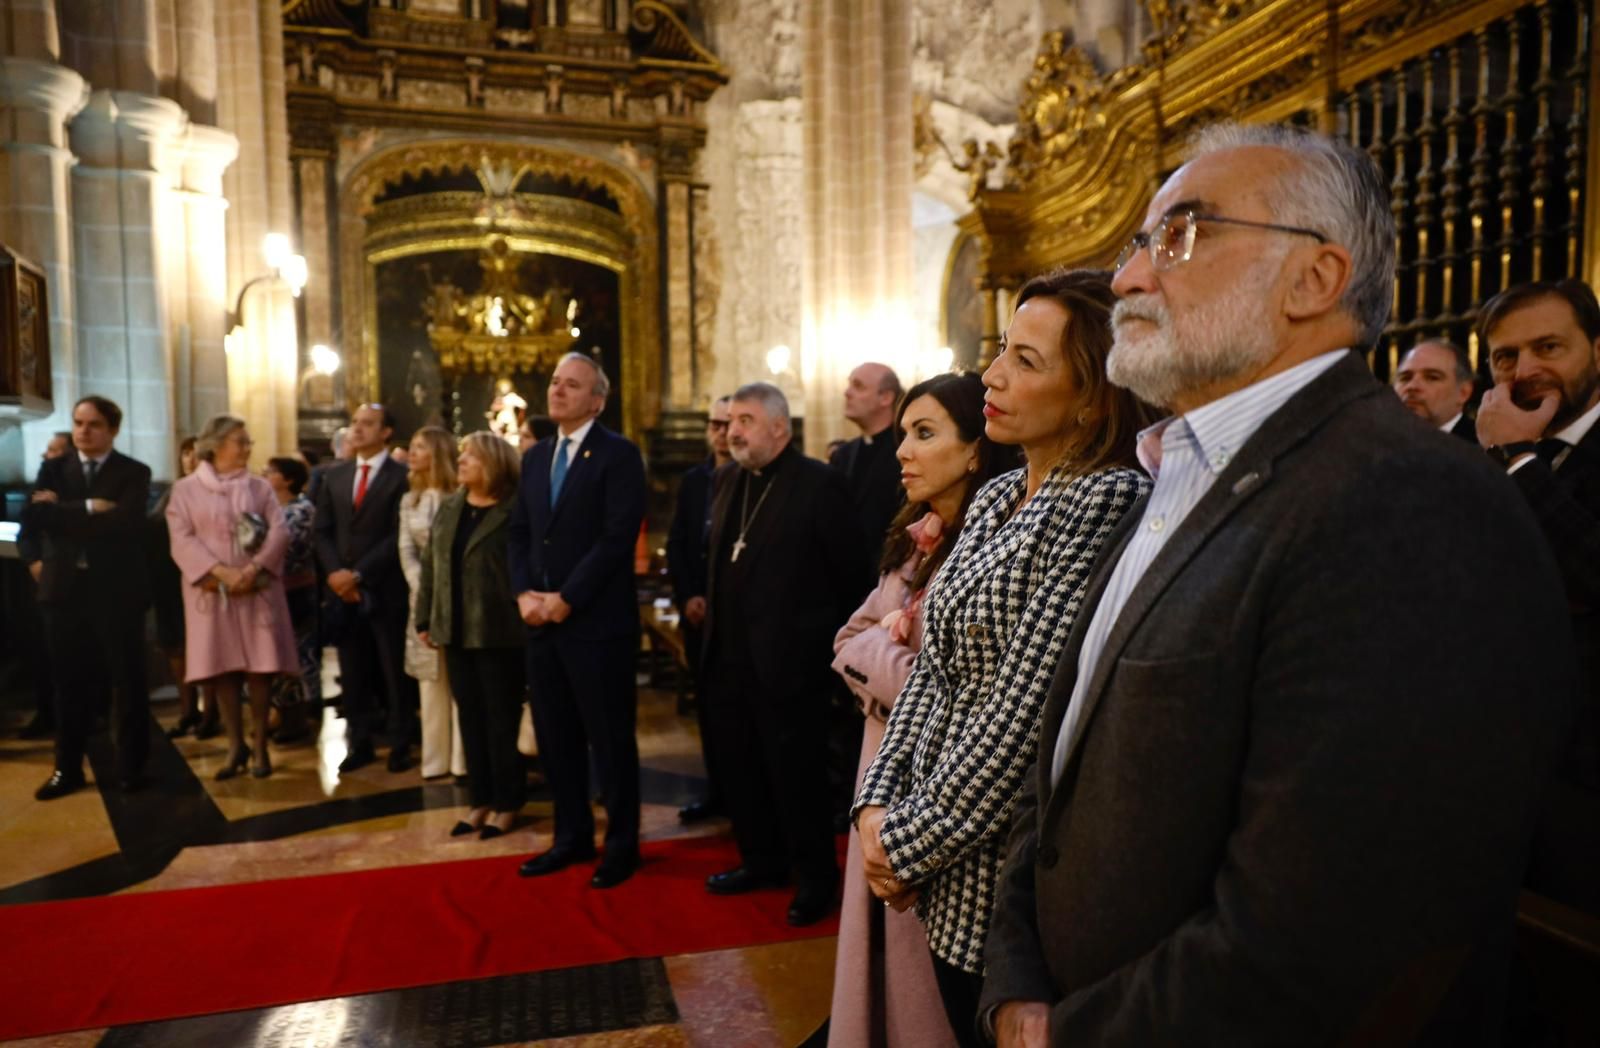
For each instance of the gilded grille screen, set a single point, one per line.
(1483, 141)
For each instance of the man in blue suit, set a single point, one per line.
(573, 532)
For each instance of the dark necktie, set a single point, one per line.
(1550, 449)
(361, 485)
(559, 475)
(90, 469)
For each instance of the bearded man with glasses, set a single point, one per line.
(1261, 814)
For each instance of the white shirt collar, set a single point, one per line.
(1450, 426)
(576, 436)
(376, 461)
(1579, 427)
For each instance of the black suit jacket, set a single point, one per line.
(583, 545)
(365, 540)
(806, 548)
(1466, 428)
(111, 543)
(687, 537)
(1298, 801)
(1566, 501)
(872, 473)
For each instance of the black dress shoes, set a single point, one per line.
(613, 870)
(740, 879)
(131, 783)
(553, 860)
(59, 784)
(399, 758)
(359, 757)
(811, 904)
(699, 811)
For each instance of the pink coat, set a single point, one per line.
(250, 633)
(875, 667)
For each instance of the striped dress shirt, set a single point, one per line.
(1184, 454)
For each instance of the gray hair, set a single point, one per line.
(770, 396)
(602, 382)
(1335, 189)
(216, 430)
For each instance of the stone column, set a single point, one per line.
(857, 117)
(767, 250)
(128, 143)
(37, 99)
(676, 159)
(200, 291)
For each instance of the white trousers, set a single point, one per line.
(441, 729)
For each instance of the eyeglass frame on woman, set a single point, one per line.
(1147, 241)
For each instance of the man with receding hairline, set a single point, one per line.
(1434, 381)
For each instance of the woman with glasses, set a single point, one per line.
(936, 802)
(229, 541)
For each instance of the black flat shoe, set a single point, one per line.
(399, 759)
(358, 757)
(553, 860)
(238, 761)
(186, 723)
(59, 784)
(739, 880)
(613, 871)
(462, 829)
(699, 811)
(490, 831)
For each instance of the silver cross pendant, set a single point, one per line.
(738, 548)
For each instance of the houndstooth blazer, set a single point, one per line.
(966, 725)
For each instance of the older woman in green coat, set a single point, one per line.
(465, 606)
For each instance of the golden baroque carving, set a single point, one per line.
(666, 38)
(1178, 25)
(1063, 106)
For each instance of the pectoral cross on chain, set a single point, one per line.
(738, 548)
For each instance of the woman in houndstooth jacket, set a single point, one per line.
(935, 804)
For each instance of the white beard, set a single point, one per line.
(1228, 336)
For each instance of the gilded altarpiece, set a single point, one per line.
(1479, 112)
(565, 136)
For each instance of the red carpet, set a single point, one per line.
(123, 959)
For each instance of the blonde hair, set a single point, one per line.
(217, 429)
(441, 472)
(499, 459)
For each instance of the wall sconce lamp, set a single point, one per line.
(778, 358)
(324, 360)
(283, 266)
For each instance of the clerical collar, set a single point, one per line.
(868, 438)
(775, 465)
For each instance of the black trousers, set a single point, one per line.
(693, 640)
(584, 696)
(372, 677)
(97, 642)
(959, 992)
(488, 684)
(772, 752)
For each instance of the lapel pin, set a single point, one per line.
(586, 454)
(1246, 482)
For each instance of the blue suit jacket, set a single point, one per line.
(583, 545)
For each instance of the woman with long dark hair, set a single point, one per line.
(882, 978)
(936, 802)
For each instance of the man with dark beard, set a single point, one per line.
(1261, 813)
(1543, 341)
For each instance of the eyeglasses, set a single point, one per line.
(1172, 241)
(717, 423)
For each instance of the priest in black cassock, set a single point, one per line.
(868, 462)
(786, 559)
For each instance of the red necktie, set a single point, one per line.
(361, 486)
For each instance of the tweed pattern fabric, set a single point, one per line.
(965, 728)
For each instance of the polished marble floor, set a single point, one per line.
(186, 830)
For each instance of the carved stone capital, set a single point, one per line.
(45, 96)
(129, 131)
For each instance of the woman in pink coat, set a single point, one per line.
(883, 987)
(229, 540)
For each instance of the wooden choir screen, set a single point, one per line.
(1484, 141)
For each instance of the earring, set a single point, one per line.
(1083, 417)
(972, 467)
